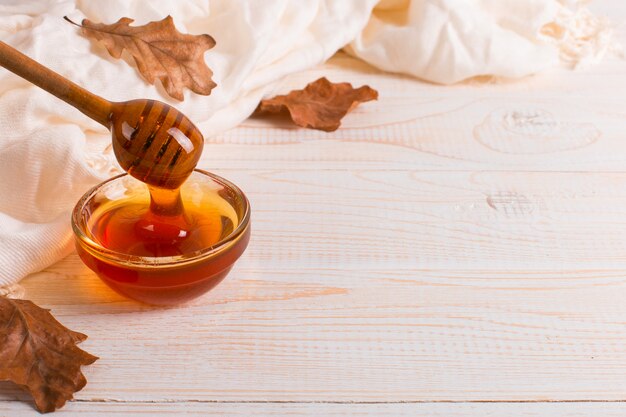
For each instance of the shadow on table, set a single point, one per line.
(70, 285)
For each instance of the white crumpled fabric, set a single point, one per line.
(50, 153)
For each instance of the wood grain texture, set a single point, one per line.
(99, 409)
(447, 244)
(329, 334)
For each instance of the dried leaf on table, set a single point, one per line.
(160, 51)
(39, 354)
(321, 105)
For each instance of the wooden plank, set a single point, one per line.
(349, 335)
(383, 286)
(486, 220)
(557, 121)
(99, 409)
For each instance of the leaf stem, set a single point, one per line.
(72, 22)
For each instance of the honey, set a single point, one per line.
(160, 246)
(132, 227)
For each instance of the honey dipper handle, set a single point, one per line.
(90, 104)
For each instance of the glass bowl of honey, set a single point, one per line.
(155, 260)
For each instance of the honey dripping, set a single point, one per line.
(162, 223)
(160, 148)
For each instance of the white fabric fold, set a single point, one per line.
(446, 41)
(50, 153)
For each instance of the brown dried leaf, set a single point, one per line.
(39, 354)
(321, 105)
(160, 51)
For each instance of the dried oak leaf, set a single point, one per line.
(160, 51)
(321, 105)
(39, 354)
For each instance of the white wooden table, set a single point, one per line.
(451, 251)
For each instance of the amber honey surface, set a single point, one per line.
(129, 226)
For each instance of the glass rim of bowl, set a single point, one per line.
(159, 261)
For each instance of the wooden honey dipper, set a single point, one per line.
(152, 141)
